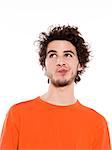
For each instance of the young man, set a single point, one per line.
(57, 120)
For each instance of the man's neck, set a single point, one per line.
(60, 96)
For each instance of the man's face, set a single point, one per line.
(61, 64)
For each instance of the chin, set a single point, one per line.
(61, 83)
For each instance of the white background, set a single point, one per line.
(21, 77)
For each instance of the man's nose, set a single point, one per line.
(60, 61)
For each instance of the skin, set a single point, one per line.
(61, 66)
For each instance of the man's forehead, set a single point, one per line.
(60, 43)
(61, 46)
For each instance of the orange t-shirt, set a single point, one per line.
(39, 125)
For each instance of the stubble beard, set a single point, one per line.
(62, 82)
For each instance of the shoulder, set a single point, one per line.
(92, 115)
(24, 105)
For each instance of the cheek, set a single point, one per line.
(73, 63)
(74, 67)
(49, 66)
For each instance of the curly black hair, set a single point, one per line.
(68, 33)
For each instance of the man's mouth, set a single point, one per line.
(62, 71)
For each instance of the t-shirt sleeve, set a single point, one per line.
(103, 137)
(10, 131)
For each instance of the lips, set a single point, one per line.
(62, 70)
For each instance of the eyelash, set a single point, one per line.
(51, 55)
(68, 54)
(55, 54)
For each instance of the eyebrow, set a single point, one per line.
(64, 51)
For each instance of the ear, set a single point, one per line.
(79, 67)
(45, 71)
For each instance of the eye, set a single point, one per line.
(68, 55)
(52, 55)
